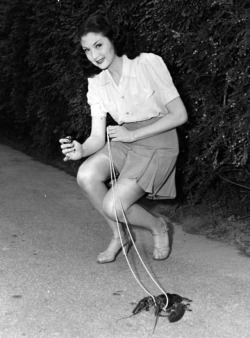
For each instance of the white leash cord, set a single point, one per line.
(113, 180)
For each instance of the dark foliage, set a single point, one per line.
(206, 45)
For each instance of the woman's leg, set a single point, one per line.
(128, 192)
(91, 177)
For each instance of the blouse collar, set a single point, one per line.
(128, 71)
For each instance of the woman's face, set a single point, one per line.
(98, 49)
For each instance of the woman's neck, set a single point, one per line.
(115, 69)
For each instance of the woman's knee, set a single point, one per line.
(111, 209)
(92, 171)
(108, 208)
(85, 177)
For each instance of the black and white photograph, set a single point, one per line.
(125, 169)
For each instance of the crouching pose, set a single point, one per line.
(137, 90)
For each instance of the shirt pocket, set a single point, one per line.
(144, 88)
(141, 94)
(150, 93)
(145, 97)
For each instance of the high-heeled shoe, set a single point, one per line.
(114, 249)
(161, 242)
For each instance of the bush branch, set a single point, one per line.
(239, 185)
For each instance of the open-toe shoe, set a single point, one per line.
(114, 248)
(161, 242)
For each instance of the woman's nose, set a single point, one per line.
(94, 54)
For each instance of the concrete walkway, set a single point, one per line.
(51, 285)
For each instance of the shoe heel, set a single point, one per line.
(127, 247)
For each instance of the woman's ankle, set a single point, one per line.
(160, 226)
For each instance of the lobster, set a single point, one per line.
(175, 310)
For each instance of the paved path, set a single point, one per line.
(51, 286)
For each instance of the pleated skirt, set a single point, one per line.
(151, 161)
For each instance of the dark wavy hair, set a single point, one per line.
(122, 39)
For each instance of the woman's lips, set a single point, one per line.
(100, 61)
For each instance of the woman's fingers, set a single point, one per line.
(113, 131)
(66, 140)
(72, 149)
(67, 157)
(67, 145)
(119, 133)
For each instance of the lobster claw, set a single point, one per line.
(177, 311)
(144, 304)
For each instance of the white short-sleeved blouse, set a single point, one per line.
(144, 89)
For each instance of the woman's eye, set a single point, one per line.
(98, 46)
(86, 50)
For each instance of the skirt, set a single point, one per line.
(151, 161)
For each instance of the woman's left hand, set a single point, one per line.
(119, 133)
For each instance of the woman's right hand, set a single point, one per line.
(72, 150)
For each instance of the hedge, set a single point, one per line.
(205, 44)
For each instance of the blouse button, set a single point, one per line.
(127, 113)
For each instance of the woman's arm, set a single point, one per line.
(177, 115)
(97, 137)
(96, 140)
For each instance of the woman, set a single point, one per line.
(138, 92)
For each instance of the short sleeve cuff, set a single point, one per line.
(168, 95)
(97, 111)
